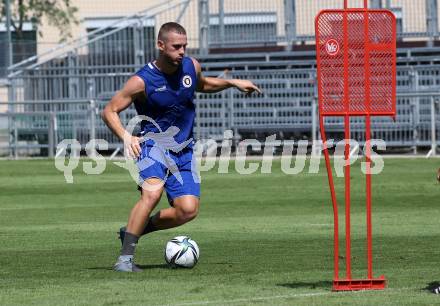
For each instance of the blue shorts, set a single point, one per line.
(177, 170)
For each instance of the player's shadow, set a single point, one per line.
(309, 285)
(150, 267)
(431, 286)
(143, 267)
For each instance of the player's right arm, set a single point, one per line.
(120, 101)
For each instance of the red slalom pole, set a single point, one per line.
(368, 145)
(333, 197)
(347, 148)
(368, 195)
(356, 61)
(347, 197)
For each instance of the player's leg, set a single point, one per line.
(183, 195)
(185, 208)
(147, 202)
(183, 192)
(136, 224)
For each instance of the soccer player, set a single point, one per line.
(164, 91)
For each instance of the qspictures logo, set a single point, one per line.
(209, 152)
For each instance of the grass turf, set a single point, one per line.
(264, 239)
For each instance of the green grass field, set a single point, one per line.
(264, 239)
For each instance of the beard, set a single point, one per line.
(172, 62)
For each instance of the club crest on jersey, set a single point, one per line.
(332, 47)
(187, 81)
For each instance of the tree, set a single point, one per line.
(59, 13)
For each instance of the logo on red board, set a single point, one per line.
(332, 47)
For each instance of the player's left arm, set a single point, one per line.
(210, 84)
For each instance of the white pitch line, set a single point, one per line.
(263, 298)
(299, 295)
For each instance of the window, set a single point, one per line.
(22, 47)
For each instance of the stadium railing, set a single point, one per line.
(94, 66)
(38, 126)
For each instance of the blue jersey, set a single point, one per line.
(169, 99)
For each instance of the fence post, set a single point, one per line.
(73, 78)
(314, 121)
(50, 135)
(10, 119)
(433, 127)
(315, 103)
(375, 4)
(92, 120)
(221, 22)
(55, 132)
(415, 101)
(290, 22)
(92, 124)
(432, 21)
(74, 132)
(15, 136)
(223, 110)
(10, 59)
(198, 119)
(137, 44)
(414, 119)
(203, 26)
(231, 115)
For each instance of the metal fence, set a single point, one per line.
(37, 127)
(58, 94)
(211, 24)
(287, 108)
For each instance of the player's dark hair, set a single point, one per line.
(170, 27)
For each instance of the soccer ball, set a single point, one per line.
(182, 251)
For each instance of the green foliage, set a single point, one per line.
(59, 13)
